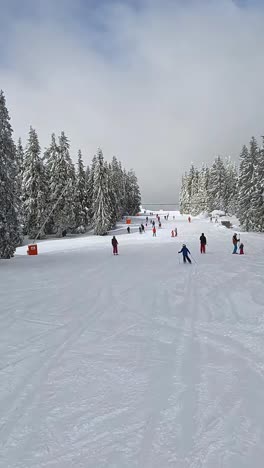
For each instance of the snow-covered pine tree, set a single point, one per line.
(101, 197)
(80, 208)
(230, 190)
(90, 174)
(190, 178)
(184, 195)
(61, 184)
(216, 186)
(88, 196)
(257, 200)
(19, 185)
(195, 204)
(9, 224)
(245, 185)
(112, 195)
(117, 183)
(34, 187)
(51, 154)
(202, 195)
(133, 195)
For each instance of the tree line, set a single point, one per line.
(43, 194)
(223, 186)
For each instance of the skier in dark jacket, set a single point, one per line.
(235, 242)
(202, 243)
(128, 229)
(185, 253)
(115, 244)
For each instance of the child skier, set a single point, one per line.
(202, 243)
(154, 231)
(185, 253)
(241, 249)
(115, 244)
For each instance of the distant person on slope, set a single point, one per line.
(128, 229)
(154, 232)
(176, 232)
(140, 230)
(235, 242)
(115, 244)
(185, 253)
(202, 243)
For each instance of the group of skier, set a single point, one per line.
(184, 251)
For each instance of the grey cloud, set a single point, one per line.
(167, 83)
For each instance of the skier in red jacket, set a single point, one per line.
(115, 244)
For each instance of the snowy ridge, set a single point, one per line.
(136, 360)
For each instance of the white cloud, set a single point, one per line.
(158, 86)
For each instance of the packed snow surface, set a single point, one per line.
(136, 360)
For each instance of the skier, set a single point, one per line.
(202, 243)
(241, 249)
(115, 244)
(159, 224)
(189, 219)
(153, 223)
(185, 253)
(128, 229)
(146, 219)
(154, 231)
(176, 232)
(235, 242)
(172, 233)
(143, 227)
(140, 230)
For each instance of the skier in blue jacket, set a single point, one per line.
(185, 253)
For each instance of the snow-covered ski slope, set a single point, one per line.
(136, 360)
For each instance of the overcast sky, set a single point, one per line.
(159, 83)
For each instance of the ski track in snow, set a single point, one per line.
(135, 361)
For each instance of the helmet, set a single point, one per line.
(184, 245)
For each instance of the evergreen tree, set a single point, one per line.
(61, 184)
(50, 156)
(88, 197)
(202, 195)
(133, 196)
(184, 195)
(113, 195)
(117, 184)
(80, 194)
(230, 190)
(257, 200)
(245, 187)
(101, 197)
(216, 186)
(90, 175)
(34, 187)
(195, 207)
(19, 185)
(9, 225)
